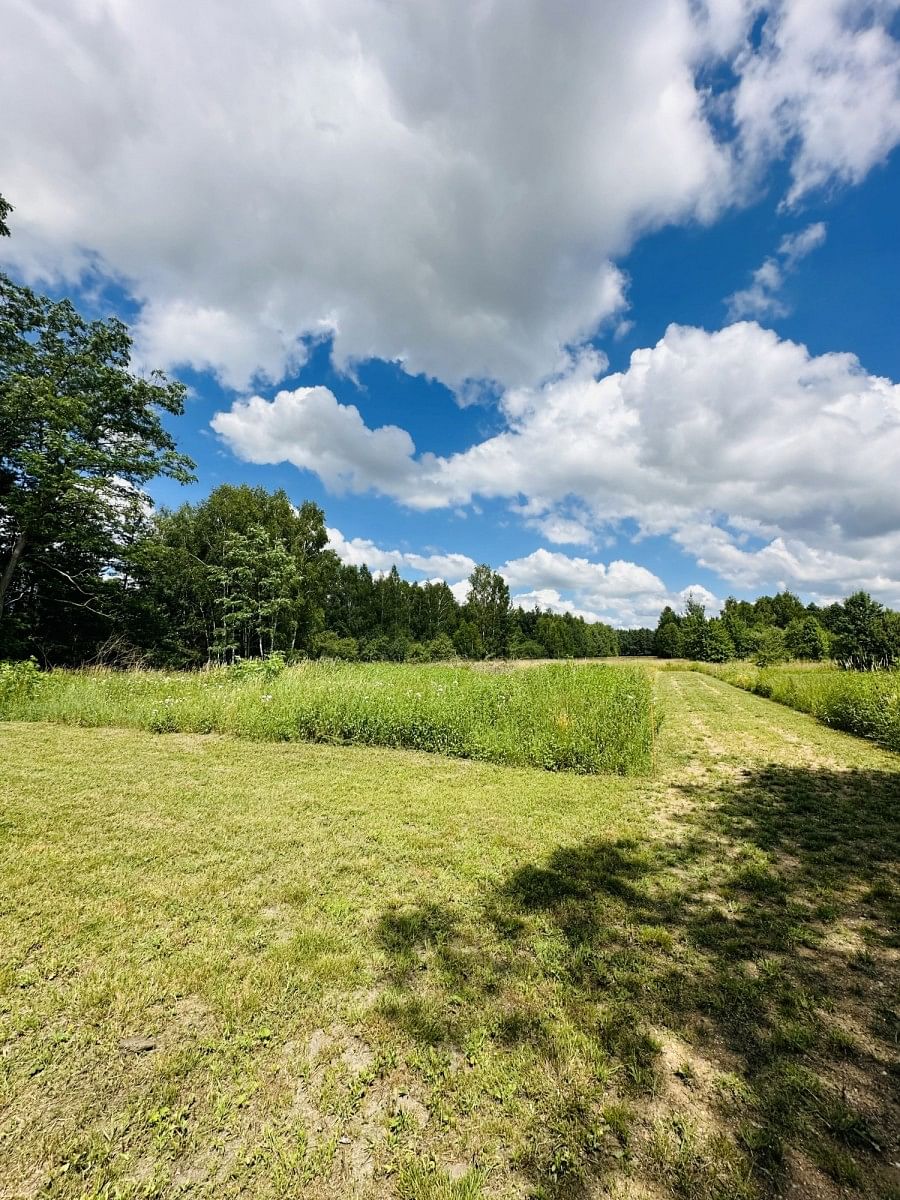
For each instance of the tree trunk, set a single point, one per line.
(8, 570)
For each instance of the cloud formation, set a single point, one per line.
(753, 455)
(762, 298)
(358, 552)
(445, 185)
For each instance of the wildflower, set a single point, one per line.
(265, 699)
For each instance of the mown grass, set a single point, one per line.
(866, 703)
(375, 973)
(586, 719)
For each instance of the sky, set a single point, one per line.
(602, 294)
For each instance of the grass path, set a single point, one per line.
(291, 970)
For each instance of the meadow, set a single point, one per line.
(234, 968)
(865, 703)
(588, 719)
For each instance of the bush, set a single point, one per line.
(330, 645)
(441, 648)
(806, 638)
(376, 649)
(267, 668)
(719, 646)
(527, 648)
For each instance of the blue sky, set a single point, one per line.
(606, 297)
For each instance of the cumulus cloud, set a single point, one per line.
(762, 298)
(444, 185)
(825, 80)
(311, 429)
(768, 464)
(451, 568)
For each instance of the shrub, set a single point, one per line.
(269, 667)
(441, 648)
(719, 646)
(806, 638)
(331, 645)
(377, 649)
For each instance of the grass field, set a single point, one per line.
(233, 968)
(866, 703)
(595, 718)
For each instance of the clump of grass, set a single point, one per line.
(866, 703)
(589, 719)
(698, 1165)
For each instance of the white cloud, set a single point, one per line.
(547, 568)
(562, 530)
(826, 83)
(309, 428)
(765, 463)
(447, 185)
(544, 598)
(795, 246)
(623, 594)
(762, 298)
(701, 595)
(451, 568)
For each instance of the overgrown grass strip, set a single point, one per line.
(563, 717)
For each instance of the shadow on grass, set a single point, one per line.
(714, 1012)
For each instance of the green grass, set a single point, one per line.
(865, 703)
(587, 719)
(378, 973)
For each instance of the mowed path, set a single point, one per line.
(378, 973)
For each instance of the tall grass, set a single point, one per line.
(866, 703)
(589, 719)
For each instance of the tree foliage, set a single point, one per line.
(80, 434)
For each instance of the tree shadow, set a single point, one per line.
(755, 943)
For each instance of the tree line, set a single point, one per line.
(245, 573)
(858, 633)
(89, 572)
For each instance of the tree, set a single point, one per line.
(866, 636)
(79, 436)
(786, 607)
(244, 572)
(667, 641)
(739, 617)
(467, 640)
(806, 638)
(769, 647)
(694, 630)
(488, 609)
(719, 646)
